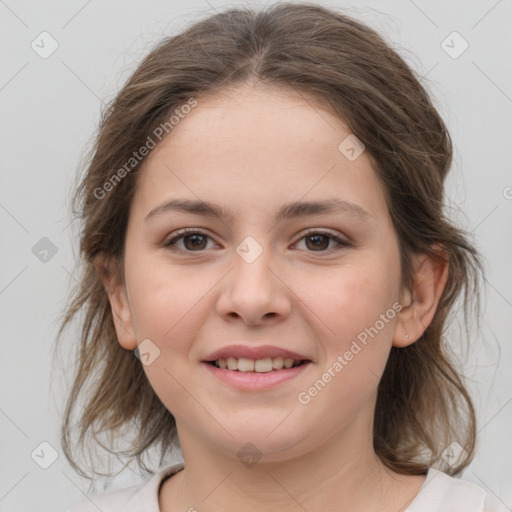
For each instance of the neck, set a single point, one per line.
(339, 476)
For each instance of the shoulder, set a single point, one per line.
(109, 501)
(441, 492)
(129, 499)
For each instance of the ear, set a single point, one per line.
(121, 311)
(420, 304)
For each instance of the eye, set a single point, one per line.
(193, 240)
(320, 240)
(196, 241)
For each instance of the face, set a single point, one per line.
(321, 286)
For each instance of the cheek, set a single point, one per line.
(168, 301)
(351, 298)
(355, 305)
(170, 304)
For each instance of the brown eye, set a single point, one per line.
(193, 241)
(196, 241)
(318, 241)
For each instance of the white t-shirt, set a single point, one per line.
(439, 493)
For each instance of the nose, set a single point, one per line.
(256, 292)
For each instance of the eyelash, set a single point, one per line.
(191, 231)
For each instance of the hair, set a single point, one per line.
(341, 64)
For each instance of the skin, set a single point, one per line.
(252, 149)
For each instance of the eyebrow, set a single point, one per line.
(287, 211)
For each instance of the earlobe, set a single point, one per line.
(119, 304)
(429, 281)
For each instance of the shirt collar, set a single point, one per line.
(146, 498)
(441, 492)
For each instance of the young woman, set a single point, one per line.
(268, 273)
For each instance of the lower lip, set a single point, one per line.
(256, 380)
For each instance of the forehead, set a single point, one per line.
(247, 117)
(268, 145)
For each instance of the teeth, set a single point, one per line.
(256, 365)
(245, 365)
(261, 365)
(277, 363)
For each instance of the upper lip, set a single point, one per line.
(261, 352)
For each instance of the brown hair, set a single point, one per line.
(422, 403)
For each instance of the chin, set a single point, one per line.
(261, 442)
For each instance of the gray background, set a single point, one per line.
(50, 108)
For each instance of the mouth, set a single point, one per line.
(256, 368)
(251, 375)
(265, 365)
